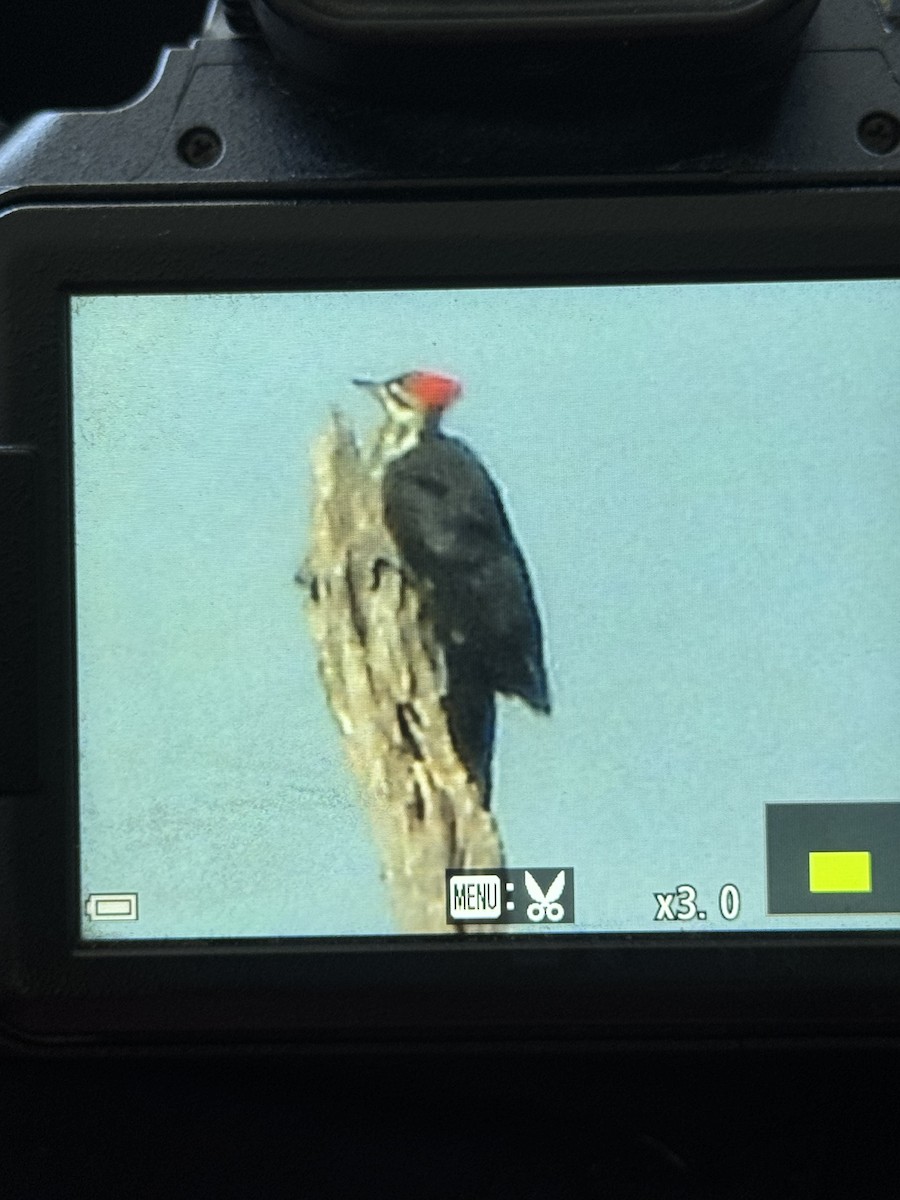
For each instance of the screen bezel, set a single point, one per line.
(490, 986)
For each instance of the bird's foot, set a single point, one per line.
(383, 564)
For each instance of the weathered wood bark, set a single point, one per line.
(383, 676)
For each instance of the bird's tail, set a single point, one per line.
(533, 687)
(471, 718)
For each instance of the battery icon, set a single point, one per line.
(834, 856)
(112, 906)
(840, 871)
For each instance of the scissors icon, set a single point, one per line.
(546, 907)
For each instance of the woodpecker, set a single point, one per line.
(444, 512)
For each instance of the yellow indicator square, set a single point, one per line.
(840, 871)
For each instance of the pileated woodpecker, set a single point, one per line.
(444, 512)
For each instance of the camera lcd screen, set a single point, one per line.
(577, 612)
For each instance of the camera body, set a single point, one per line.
(818, 113)
(406, 156)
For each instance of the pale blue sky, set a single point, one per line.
(704, 481)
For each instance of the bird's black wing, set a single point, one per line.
(445, 513)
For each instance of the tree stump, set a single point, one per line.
(383, 674)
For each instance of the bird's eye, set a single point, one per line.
(398, 395)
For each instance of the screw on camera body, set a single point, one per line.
(200, 147)
(879, 133)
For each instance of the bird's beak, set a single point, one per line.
(368, 385)
(374, 388)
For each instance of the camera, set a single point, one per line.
(449, 532)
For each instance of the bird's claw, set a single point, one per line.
(382, 564)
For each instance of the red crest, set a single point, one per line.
(430, 390)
